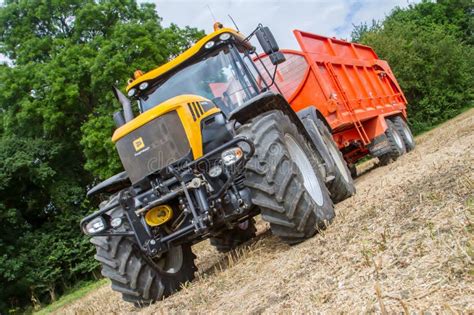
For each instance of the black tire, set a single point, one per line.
(396, 144)
(405, 132)
(276, 183)
(342, 186)
(230, 239)
(353, 170)
(135, 275)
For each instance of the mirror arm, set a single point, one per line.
(269, 75)
(126, 104)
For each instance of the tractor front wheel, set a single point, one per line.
(142, 280)
(229, 239)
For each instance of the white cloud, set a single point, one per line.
(325, 17)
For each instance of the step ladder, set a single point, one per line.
(345, 101)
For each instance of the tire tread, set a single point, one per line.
(284, 201)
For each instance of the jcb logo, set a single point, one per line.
(138, 144)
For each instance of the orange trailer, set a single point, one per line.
(350, 87)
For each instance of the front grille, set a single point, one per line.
(153, 146)
(196, 110)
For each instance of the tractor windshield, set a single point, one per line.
(221, 77)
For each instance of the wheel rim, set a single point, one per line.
(407, 134)
(338, 161)
(397, 138)
(311, 181)
(171, 261)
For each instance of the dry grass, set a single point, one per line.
(404, 243)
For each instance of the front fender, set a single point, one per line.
(111, 185)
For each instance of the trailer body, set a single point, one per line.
(349, 86)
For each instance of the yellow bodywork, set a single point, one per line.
(192, 126)
(153, 74)
(179, 104)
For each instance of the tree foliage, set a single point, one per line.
(55, 110)
(429, 48)
(56, 105)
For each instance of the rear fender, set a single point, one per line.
(308, 117)
(266, 102)
(270, 100)
(260, 104)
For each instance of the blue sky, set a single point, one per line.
(325, 17)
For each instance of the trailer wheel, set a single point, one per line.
(142, 280)
(230, 239)
(342, 186)
(405, 132)
(284, 179)
(396, 145)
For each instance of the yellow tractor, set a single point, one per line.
(214, 145)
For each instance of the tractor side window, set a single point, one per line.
(249, 63)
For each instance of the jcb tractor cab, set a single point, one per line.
(214, 145)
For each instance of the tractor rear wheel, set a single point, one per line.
(395, 142)
(342, 186)
(142, 280)
(405, 132)
(230, 239)
(284, 179)
(353, 169)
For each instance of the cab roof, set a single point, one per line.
(186, 55)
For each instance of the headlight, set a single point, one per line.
(232, 156)
(143, 86)
(215, 171)
(224, 36)
(131, 92)
(116, 222)
(209, 44)
(95, 226)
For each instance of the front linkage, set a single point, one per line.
(189, 183)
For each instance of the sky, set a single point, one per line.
(334, 18)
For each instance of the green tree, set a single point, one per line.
(429, 47)
(55, 110)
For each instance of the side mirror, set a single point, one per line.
(277, 57)
(126, 104)
(119, 119)
(266, 40)
(269, 45)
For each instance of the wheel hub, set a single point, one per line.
(311, 181)
(398, 139)
(171, 261)
(338, 161)
(408, 134)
